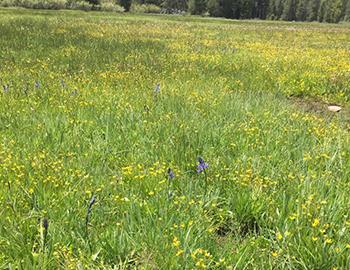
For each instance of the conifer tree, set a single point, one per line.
(247, 9)
(175, 4)
(347, 11)
(312, 9)
(289, 10)
(197, 7)
(301, 10)
(214, 8)
(126, 4)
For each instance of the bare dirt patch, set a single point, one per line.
(320, 107)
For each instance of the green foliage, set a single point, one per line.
(289, 10)
(37, 4)
(104, 5)
(197, 7)
(246, 9)
(214, 8)
(126, 4)
(331, 11)
(347, 11)
(227, 8)
(148, 2)
(276, 9)
(334, 11)
(313, 7)
(111, 6)
(175, 5)
(301, 11)
(145, 8)
(80, 5)
(80, 117)
(94, 2)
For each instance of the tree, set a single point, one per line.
(347, 11)
(331, 10)
(153, 2)
(197, 7)
(126, 4)
(289, 10)
(227, 8)
(334, 12)
(301, 10)
(275, 9)
(261, 8)
(175, 4)
(322, 11)
(246, 9)
(214, 8)
(312, 9)
(236, 8)
(94, 2)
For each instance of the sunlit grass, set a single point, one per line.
(80, 117)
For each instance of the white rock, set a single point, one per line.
(334, 108)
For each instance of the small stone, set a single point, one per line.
(334, 108)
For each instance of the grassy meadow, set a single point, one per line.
(87, 139)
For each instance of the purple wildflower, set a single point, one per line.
(46, 228)
(146, 108)
(37, 84)
(171, 174)
(25, 89)
(157, 88)
(5, 88)
(92, 201)
(46, 224)
(202, 165)
(63, 84)
(74, 92)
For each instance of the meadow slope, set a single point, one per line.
(87, 140)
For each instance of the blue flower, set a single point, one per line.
(171, 174)
(157, 88)
(37, 84)
(5, 88)
(46, 224)
(202, 165)
(74, 92)
(92, 201)
(63, 84)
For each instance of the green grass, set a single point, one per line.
(275, 195)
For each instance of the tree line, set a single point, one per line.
(331, 11)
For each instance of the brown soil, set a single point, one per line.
(321, 108)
